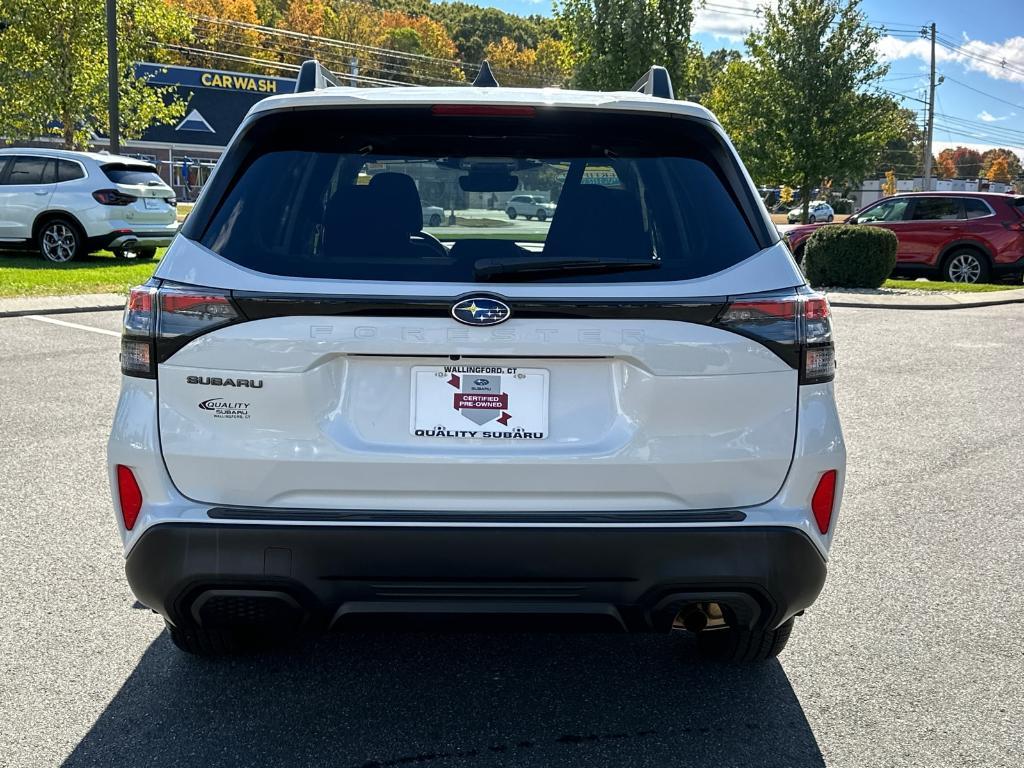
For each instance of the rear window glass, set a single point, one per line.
(120, 173)
(975, 208)
(69, 171)
(350, 196)
(936, 209)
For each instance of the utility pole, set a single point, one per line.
(931, 119)
(113, 107)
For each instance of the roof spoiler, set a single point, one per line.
(314, 77)
(655, 82)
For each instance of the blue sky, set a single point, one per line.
(981, 103)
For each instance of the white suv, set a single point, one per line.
(529, 207)
(65, 204)
(327, 412)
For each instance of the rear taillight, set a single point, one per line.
(797, 327)
(160, 321)
(1014, 226)
(823, 500)
(113, 197)
(129, 495)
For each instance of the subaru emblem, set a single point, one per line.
(481, 310)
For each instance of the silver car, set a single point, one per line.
(819, 211)
(529, 207)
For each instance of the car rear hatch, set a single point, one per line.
(152, 201)
(652, 364)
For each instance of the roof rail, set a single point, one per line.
(313, 77)
(655, 82)
(485, 78)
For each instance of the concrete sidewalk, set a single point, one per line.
(880, 299)
(98, 302)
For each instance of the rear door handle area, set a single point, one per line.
(41, 192)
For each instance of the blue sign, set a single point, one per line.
(216, 101)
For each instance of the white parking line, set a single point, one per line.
(66, 324)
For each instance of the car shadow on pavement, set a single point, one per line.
(371, 699)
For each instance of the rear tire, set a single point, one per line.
(145, 253)
(542, 216)
(743, 646)
(965, 266)
(831, 218)
(511, 213)
(435, 220)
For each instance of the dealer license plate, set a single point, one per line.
(493, 402)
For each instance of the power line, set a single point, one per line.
(983, 93)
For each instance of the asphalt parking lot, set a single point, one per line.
(912, 656)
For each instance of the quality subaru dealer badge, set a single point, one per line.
(492, 402)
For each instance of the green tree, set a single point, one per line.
(53, 68)
(617, 41)
(967, 162)
(903, 154)
(805, 105)
(704, 71)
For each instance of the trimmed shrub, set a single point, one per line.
(849, 256)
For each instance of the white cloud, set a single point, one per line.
(987, 117)
(727, 19)
(1001, 61)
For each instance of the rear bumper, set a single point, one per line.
(210, 573)
(143, 238)
(1008, 267)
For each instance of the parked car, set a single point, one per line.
(433, 215)
(962, 237)
(326, 412)
(819, 211)
(65, 204)
(530, 207)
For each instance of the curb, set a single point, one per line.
(931, 307)
(60, 311)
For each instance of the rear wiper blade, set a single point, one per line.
(526, 269)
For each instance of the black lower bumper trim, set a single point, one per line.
(333, 570)
(366, 516)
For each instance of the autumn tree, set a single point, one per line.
(616, 41)
(212, 36)
(967, 162)
(944, 165)
(805, 106)
(53, 68)
(999, 170)
(547, 64)
(1013, 164)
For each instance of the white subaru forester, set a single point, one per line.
(329, 411)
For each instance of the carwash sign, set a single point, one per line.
(216, 101)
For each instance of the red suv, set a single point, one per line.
(964, 237)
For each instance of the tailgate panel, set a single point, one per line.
(660, 415)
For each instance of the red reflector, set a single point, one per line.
(816, 309)
(482, 110)
(823, 499)
(129, 495)
(140, 299)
